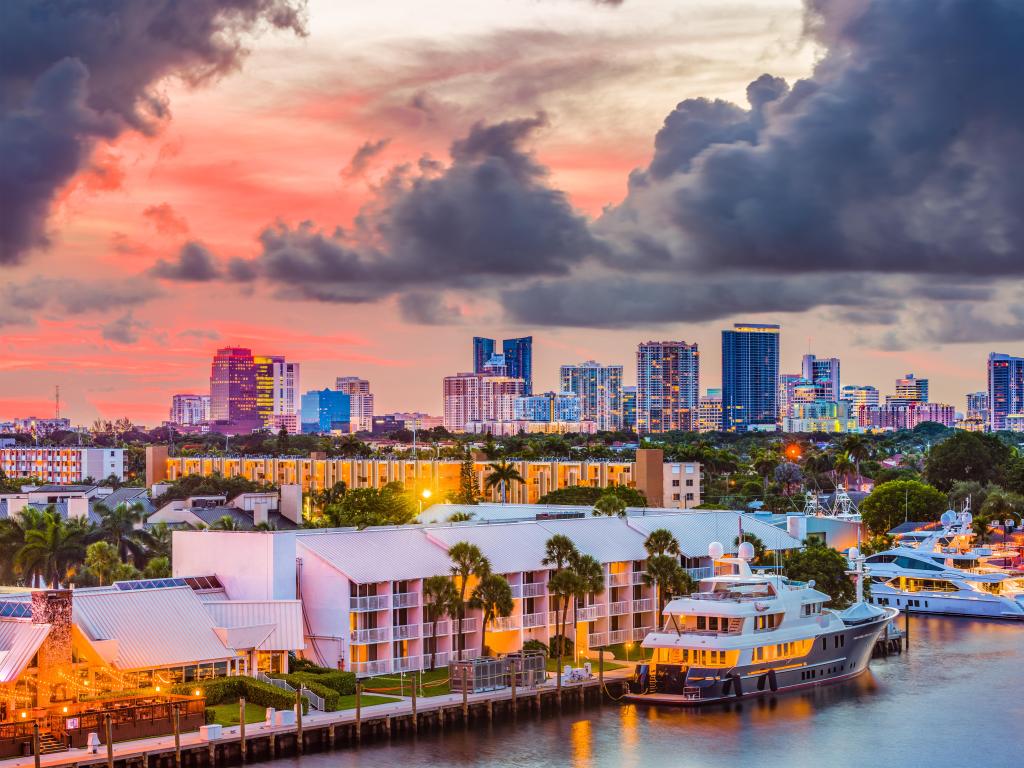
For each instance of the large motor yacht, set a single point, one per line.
(942, 572)
(747, 634)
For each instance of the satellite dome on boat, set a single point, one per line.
(716, 550)
(861, 613)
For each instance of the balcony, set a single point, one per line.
(588, 613)
(405, 599)
(517, 591)
(639, 633)
(638, 577)
(437, 628)
(646, 604)
(619, 636)
(504, 624)
(470, 625)
(407, 663)
(440, 659)
(381, 667)
(534, 620)
(617, 609)
(597, 639)
(370, 603)
(367, 636)
(618, 579)
(468, 654)
(406, 631)
(535, 590)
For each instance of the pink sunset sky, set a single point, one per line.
(274, 141)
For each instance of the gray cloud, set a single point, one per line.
(20, 302)
(123, 329)
(73, 74)
(428, 309)
(363, 156)
(193, 263)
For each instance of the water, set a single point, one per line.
(956, 699)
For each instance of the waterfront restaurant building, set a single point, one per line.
(362, 591)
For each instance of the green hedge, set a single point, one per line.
(227, 690)
(342, 682)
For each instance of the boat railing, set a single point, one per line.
(738, 597)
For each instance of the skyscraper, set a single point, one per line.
(325, 410)
(360, 401)
(1005, 389)
(473, 397)
(750, 376)
(519, 359)
(189, 410)
(977, 406)
(233, 390)
(862, 400)
(824, 374)
(599, 388)
(482, 351)
(668, 385)
(909, 389)
(787, 386)
(629, 408)
(277, 388)
(548, 407)
(709, 411)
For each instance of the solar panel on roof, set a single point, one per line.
(200, 583)
(138, 584)
(10, 609)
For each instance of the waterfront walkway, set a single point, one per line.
(140, 749)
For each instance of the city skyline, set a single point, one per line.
(194, 193)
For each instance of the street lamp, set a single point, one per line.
(628, 646)
(427, 493)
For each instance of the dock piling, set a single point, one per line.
(177, 736)
(414, 720)
(465, 694)
(35, 742)
(108, 726)
(359, 710)
(299, 741)
(241, 728)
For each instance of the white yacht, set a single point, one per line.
(747, 634)
(941, 572)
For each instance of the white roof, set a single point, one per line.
(695, 529)
(149, 627)
(284, 615)
(511, 547)
(609, 539)
(19, 641)
(379, 554)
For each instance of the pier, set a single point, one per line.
(325, 731)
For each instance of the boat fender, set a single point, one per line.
(738, 685)
(773, 680)
(727, 686)
(761, 680)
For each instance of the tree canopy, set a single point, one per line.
(898, 501)
(365, 507)
(826, 568)
(976, 456)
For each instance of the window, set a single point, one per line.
(689, 483)
(689, 497)
(675, 497)
(675, 483)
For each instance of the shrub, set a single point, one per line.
(565, 643)
(209, 715)
(227, 690)
(296, 664)
(344, 683)
(535, 645)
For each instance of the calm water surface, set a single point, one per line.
(956, 699)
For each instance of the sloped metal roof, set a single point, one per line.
(511, 547)
(694, 530)
(284, 615)
(378, 554)
(609, 539)
(19, 641)
(152, 627)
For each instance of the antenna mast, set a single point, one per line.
(56, 399)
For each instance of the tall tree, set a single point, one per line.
(610, 505)
(590, 581)
(493, 596)
(661, 542)
(826, 567)
(976, 456)
(502, 474)
(898, 501)
(53, 550)
(467, 561)
(667, 577)
(122, 527)
(439, 599)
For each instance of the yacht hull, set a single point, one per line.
(969, 605)
(836, 656)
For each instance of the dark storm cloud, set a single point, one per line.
(487, 216)
(75, 73)
(193, 263)
(428, 309)
(123, 329)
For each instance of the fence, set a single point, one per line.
(489, 674)
(315, 701)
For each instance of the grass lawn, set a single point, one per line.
(227, 714)
(636, 653)
(368, 700)
(434, 683)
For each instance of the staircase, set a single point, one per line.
(48, 744)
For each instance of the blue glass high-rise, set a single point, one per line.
(326, 410)
(750, 376)
(519, 359)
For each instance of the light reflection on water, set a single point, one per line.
(956, 699)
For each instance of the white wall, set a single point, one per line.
(325, 600)
(253, 565)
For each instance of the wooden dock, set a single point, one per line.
(325, 731)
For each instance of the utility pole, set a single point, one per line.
(56, 398)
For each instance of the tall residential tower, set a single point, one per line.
(599, 388)
(750, 377)
(668, 386)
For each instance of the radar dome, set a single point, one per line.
(853, 553)
(746, 551)
(716, 550)
(967, 518)
(948, 518)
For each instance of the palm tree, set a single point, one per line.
(843, 466)
(760, 550)
(467, 560)
(439, 598)
(590, 576)
(611, 505)
(765, 462)
(493, 596)
(225, 523)
(661, 542)
(559, 551)
(122, 527)
(502, 473)
(53, 550)
(563, 586)
(857, 448)
(667, 576)
(161, 536)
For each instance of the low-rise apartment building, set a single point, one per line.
(666, 484)
(59, 464)
(363, 591)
